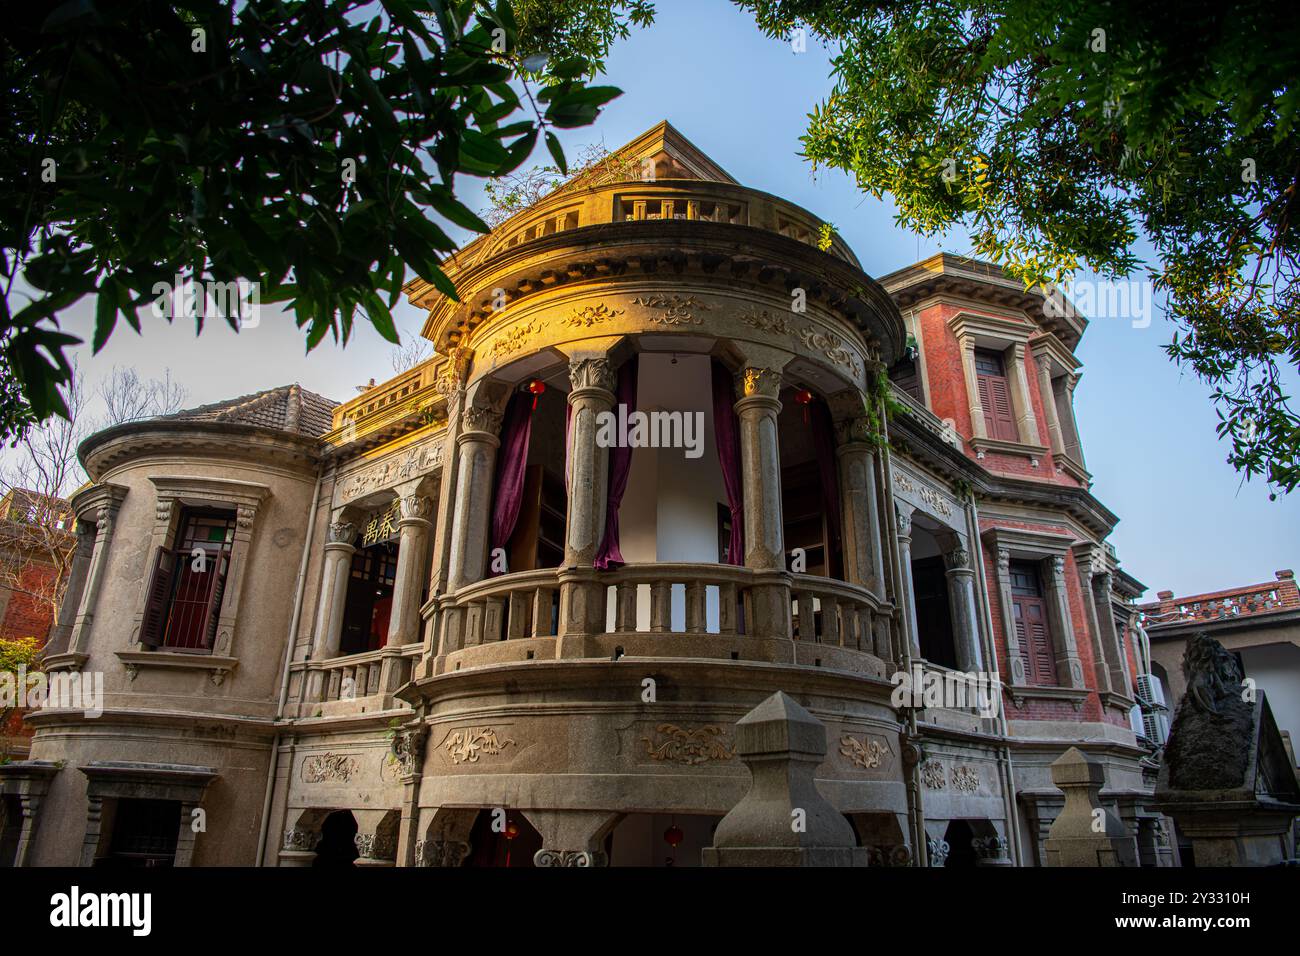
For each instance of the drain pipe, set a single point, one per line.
(991, 655)
(299, 589)
(915, 805)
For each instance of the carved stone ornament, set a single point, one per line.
(453, 373)
(990, 848)
(676, 309)
(896, 855)
(407, 750)
(958, 559)
(932, 775)
(300, 839)
(832, 346)
(163, 511)
(688, 746)
(481, 418)
(938, 851)
(245, 516)
(442, 853)
(965, 779)
(590, 315)
(766, 322)
(413, 463)
(1213, 675)
(591, 373)
(467, 746)
(933, 499)
(760, 381)
(376, 846)
(416, 507)
(1004, 562)
(904, 520)
(584, 858)
(855, 430)
(342, 532)
(515, 339)
(867, 753)
(329, 766)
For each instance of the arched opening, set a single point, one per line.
(536, 538)
(502, 838)
(961, 849)
(934, 623)
(810, 492)
(11, 825)
(337, 846)
(369, 603)
(661, 839)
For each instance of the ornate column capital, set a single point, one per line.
(451, 381)
(341, 532)
(588, 373)
(1004, 562)
(903, 518)
(855, 430)
(754, 382)
(481, 418)
(415, 508)
(957, 560)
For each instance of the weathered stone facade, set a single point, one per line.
(508, 702)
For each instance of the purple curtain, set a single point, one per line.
(824, 446)
(620, 466)
(511, 460)
(727, 438)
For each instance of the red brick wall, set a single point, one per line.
(25, 615)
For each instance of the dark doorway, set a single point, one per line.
(933, 613)
(143, 834)
(11, 827)
(502, 838)
(338, 845)
(370, 598)
(961, 853)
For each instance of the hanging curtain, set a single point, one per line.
(511, 460)
(727, 437)
(824, 446)
(620, 466)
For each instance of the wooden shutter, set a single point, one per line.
(1004, 422)
(158, 597)
(213, 612)
(1035, 640)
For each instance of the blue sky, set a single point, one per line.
(1188, 523)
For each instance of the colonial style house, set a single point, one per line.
(675, 451)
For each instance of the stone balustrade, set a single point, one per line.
(357, 683)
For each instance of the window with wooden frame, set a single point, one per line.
(183, 603)
(1033, 630)
(995, 395)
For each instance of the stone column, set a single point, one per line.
(1019, 677)
(339, 550)
(412, 551)
(1026, 420)
(1074, 448)
(863, 561)
(582, 598)
(76, 583)
(1069, 671)
(105, 518)
(1109, 635)
(757, 389)
(477, 452)
(299, 847)
(903, 517)
(1044, 363)
(977, 427)
(961, 600)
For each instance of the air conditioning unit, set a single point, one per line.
(1150, 692)
(1156, 728)
(1135, 721)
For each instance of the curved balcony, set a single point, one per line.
(670, 610)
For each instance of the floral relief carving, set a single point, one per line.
(329, 766)
(673, 744)
(868, 753)
(467, 746)
(566, 858)
(760, 381)
(932, 775)
(515, 339)
(590, 315)
(766, 322)
(832, 346)
(677, 309)
(965, 779)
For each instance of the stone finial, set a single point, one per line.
(783, 820)
(1085, 833)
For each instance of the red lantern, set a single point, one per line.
(673, 836)
(535, 388)
(804, 397)
(512, 830)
